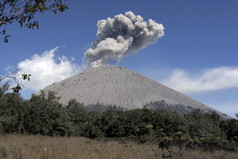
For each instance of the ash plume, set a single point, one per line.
(120, 36)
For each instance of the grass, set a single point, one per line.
(41, 147)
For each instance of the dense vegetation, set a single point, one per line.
(45, 116)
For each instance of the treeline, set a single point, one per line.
(44, 115)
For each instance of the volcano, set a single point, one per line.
(119, 86)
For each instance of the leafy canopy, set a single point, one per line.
(23, 12)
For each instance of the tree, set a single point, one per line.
(78, 116)
(46, 116)
(91, 126)
(165, 123)
(24, 11)
(202, 125)
(179, 140)
(231, 129)
(17, 78)
(112, 123)
(11, 111)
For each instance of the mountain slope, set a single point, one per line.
(112, 85)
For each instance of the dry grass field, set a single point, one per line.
(40, 147)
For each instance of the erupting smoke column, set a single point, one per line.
(119, 36)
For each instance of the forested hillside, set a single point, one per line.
(43, 115)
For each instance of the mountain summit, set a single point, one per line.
(119, 86)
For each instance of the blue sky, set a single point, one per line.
(197, 54)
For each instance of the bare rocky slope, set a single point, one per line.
(112, 85)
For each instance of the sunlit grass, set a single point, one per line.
(41, 147)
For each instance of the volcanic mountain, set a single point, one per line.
(118, 86)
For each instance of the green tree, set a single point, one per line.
(24, 11)
(112, 123)
(230, 127)
(11, 110)
(165, 123)
(78, 116)
(132, 121)
(91, 127)
(203, 125)
(179, 140)
(46, 116)
(12, 104)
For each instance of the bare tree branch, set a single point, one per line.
(23, 12)
(17, 77)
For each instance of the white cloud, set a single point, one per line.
(209, 80)
(46, 69)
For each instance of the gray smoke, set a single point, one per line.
(119, 36)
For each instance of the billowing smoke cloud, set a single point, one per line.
(119, 36)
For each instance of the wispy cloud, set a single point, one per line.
(208, 80)
(47, 68)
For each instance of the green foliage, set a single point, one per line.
(24, 11)
(77, 116)
(214, 143)
(179, 140)
(11, 110)
(44, 115)
(112, 123)
(165, 123)
(203, 125)
(91, 127)
(230, 127)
